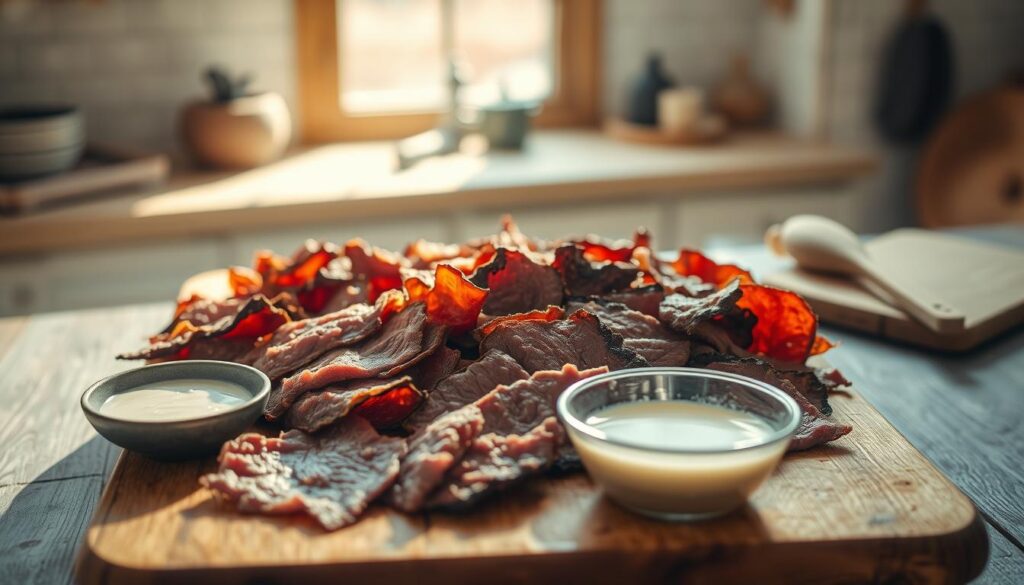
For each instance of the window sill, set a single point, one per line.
(356, 181)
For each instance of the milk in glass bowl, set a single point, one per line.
(678, 443)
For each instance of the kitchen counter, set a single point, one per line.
(353, 182)
(963, 412)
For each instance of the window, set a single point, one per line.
(373, 69)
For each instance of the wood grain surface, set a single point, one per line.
(945, 405)
(53, 466)
(869, 506)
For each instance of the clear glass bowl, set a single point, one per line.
(666, 481)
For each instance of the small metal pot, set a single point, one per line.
(506, 124)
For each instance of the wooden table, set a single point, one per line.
(963, 412)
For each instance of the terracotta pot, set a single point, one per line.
(742, 100)
(246, 132)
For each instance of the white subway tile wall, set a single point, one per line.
(131, 64)
(988, 42)
(694, 37)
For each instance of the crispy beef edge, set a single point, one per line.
(615, 343)
(255, 304)
(819, 388)
(496, 264)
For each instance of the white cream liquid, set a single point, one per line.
(679, 425)
(678, 484)
(175, 400)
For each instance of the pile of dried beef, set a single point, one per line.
(428, 379)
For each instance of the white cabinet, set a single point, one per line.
(23, 286)
(737, 218)
(129, 275)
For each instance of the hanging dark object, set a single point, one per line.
(916, 80)
(643, 101)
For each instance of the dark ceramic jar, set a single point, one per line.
(643, 100)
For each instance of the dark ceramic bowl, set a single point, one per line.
(39, 140)
(178, 439)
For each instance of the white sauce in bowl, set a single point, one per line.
(182, 399)
(678, 459)
(679, 425)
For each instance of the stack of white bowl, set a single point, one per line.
(36, 141)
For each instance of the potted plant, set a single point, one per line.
(236, 129)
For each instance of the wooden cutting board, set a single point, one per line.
(102, 168)
(985, 281)
(868, 508)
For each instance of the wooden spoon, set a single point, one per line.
(822, 245)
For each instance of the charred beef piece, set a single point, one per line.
(517, 284)
(319, 408)
(432, 452)
(436, 367)
(424, 254)
(296, 344)
(580, 339)
(228, 338)
(814, 428)
(207, 311)
(488, 324)
(645, 299)
(784, 328)
(451, 299)
(641, 333)
(279, 273)
(384, 402)
(813, 383)
(332, 289)
(600, 249)
(684, 313)
(378, 270)
(331, 477)
(693, 264)
(583, 278)
(493, 369)
(493, 462)
(341, 297)
(714, 319)
(515, 409)
(404, 340)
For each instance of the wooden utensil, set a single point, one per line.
(820, 244)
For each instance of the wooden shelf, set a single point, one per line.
(356, 181)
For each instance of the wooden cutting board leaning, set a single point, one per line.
(984, 281)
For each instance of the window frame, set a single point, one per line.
(576, 99)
